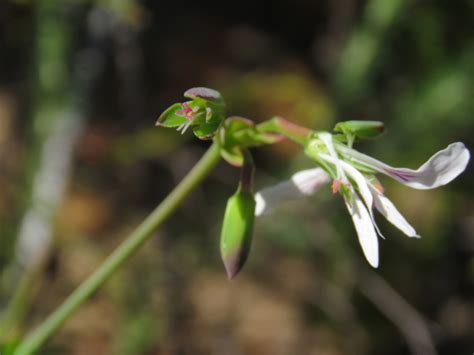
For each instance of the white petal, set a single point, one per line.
(301, 184)
(390, 212)
(361, 182)
(439, 170)
(365, 230)
(326, 138)
(364, 190)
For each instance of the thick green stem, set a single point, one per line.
(296, 133)
(123, 252)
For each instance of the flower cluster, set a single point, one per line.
(353, 174)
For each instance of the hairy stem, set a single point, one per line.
(121, 254)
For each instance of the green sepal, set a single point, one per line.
(169, 118)
(347, 193)
(206, 94)
(239, 132)
(254, 138)
(360, 129)
(313, 149)
(206, 130)
(233, 155)
(237, 230)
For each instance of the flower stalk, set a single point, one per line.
(121, 254)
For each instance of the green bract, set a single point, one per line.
(204, 112)
(360, 129)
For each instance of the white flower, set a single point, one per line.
(353, 175)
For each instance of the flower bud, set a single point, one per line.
(237, 228)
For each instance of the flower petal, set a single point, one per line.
(326, 138)
(361, 182)
(390, 212)
(365, 230)
(301, 184)
(362, 185)
(439, 170)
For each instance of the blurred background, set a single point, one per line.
(81, 164)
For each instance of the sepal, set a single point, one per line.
(360, 129)
(238, 133)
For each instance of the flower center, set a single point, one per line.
(187, 111)
(337, 184)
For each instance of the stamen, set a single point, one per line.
(378, 186)
(187, 111)
(186, 126)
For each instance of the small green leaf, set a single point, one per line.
(360, 129)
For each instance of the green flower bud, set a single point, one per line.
(239, 216)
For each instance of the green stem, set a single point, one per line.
(121, 254)
(19, 303)
(296, 133)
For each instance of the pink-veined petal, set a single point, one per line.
(365, 230)
(303, 183)
(439, 170)
(390, 212)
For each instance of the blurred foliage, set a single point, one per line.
(305, 289)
